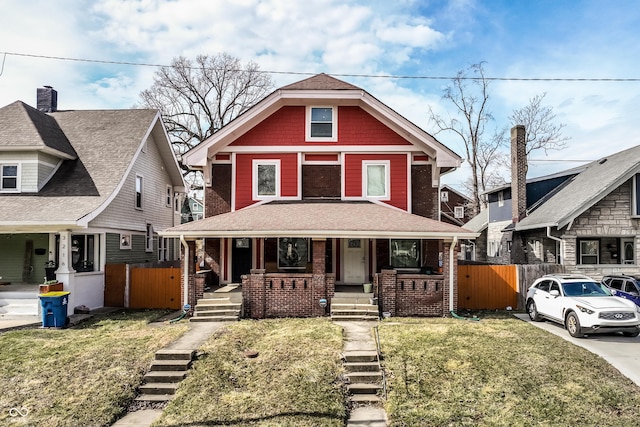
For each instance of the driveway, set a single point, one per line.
(623, 353)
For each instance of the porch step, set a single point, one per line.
(353, 311)
(216, 308)
(364, 376)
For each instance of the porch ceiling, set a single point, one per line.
(343, 219)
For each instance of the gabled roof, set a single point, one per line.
(479, 222)
(322, 88)
(584, 190)
(106, 143)
(25, 128)
(338, 219)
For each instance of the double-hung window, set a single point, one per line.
(9, 177)
(589, 251)
(375, 183)
(266, 179)
(322, 124)
(635, 196)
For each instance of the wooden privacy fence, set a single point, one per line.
(495, 287)
(155, 287)
(487, 287)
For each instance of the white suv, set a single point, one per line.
(581, 305)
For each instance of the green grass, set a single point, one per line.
(498, 372)
(81, 376)
(294, 380)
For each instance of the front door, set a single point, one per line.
(240, 259)
(354, 261)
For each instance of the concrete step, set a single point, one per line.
(170, 365)
(154, 397)
(158, 388)
(361, 388)
(354, 318)
(214, 301)
(352, 298)
(353, 367)
(365, 398)
(360, 356)
(370, 377)
(214, 319)
(153, 377)
(166, 354)
(218, 312)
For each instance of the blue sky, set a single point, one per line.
(522, 39)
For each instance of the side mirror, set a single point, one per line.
(555, 293)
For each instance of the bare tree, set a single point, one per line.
(469, 94)
(541, 133)
(197, 98)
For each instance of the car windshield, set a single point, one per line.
(579, 289)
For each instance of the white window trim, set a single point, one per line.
(387, 178)
(444, 196)
(458, 211)
(135, 193)
(254, 171)
(634, 199)
(334, 124)
(582, 255)
(18, 173)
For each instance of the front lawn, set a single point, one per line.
(82, 376)
(498, 372)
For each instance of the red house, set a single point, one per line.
(321, 188)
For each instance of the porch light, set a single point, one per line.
(323, 303)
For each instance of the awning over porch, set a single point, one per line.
(336, 219)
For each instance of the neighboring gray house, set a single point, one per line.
(80, 189)
(587, 218)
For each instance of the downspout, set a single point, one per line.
(452, 250)
(557, 240)
(185, 273)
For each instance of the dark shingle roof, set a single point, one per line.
(106, 142)
(24, 126)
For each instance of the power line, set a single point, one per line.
(383, 76)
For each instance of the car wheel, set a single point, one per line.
(572, 323)
(631, 334)
(533, 311)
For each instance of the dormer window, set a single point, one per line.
(322, 124)
(9, 177)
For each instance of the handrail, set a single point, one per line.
(378, 352)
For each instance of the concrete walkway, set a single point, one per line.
(358, 336)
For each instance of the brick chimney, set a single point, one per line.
(47, 99)
(518, 173)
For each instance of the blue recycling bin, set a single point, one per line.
(54, 309)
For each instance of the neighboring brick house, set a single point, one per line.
(80, 189)
(586, 219)
(454, 206)
(320, 184)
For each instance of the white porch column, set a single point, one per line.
(65, 272)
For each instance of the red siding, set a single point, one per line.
(244, 176)
(398, 175)
(287, 127)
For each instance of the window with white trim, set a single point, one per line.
(9, 181)
(169, 195)
(375, 180)
(322, 123)
(458, 211)
(444, 196)
(635, 195)
(139, 188)
(266, 179)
